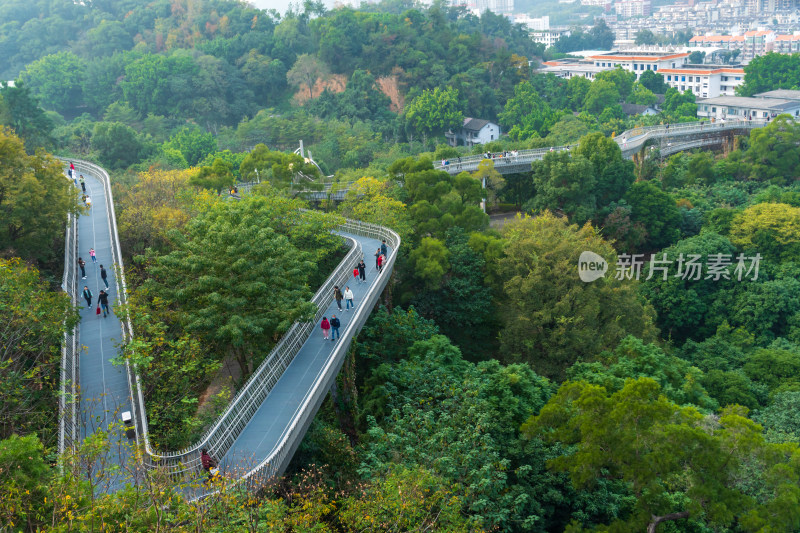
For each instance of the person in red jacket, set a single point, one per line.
(208, 464)
(380, 263)
(326, 327)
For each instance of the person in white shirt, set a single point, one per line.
(348, 296)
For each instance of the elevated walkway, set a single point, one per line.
(256, 436)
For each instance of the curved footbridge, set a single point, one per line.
(669, 138)
(256, 436)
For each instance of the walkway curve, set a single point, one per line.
(228, 439)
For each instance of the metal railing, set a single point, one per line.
(68, 390)
(223, 433)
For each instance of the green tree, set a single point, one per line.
(772, 230)
(118, 145)
(768, 72)
(622, 79)
(653, 81)
(563, 183)
(215, 177)
(526, 114)
(601, 95)
(656, 211)
(613, 174)
(642, 95)
(773, 151)
(24, 478)
(679, 105)
(234, 257)
(35, 199)
(306, 71)
(193, 143)
(645, 37)
(677, 463)
(429, 262)
(435, 111)
(20, 111)
(552, 317)
(34, 321)
(57, 80)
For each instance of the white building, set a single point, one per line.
(632, 8)
(473, 131)
(479, 6)
(740, 107)
(637, 61)
(705, 81)
(549, 37)
(570, 69)
(535, 24)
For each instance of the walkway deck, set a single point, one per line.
(290, 405)
(103, 386)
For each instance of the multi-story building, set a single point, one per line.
(752, 43)
(479, 6)
(638, 61)
(535, 24)
(565, 68)
(705, 81)
(549, 37)
(740, 107)
(786, 44)
(632, 8)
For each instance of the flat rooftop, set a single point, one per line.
(786, 94)
(775, 104)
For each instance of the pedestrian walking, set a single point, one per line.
(88, 202)
(362, 271)
(87, 295)
(104, 275)
(384, 249)
(82, 264)
(102, 299)
(209, 465)
(93, 255)
(335, 328)
(348, 296)
(326, 328)
(377, 258)
(355, 274)
(72, 172)
(83, 183)
(337, 295)
(380, 263)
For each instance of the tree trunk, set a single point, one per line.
(655, 520)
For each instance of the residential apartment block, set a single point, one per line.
(751, 44)
(633, 8)
(705, 81)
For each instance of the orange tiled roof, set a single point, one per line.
(694, 72)
(638, 58)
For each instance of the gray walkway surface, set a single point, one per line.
(103, 386)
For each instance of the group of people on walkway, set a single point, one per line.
(102, 298)
(330, 328)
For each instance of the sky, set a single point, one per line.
(281, 5)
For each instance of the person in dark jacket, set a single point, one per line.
(337, 295)
(362, 270)
(384, 249)
(378, 258)
(102, 299)
(104, 275)
(335, 327)
(87, 294)
(82, 264)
